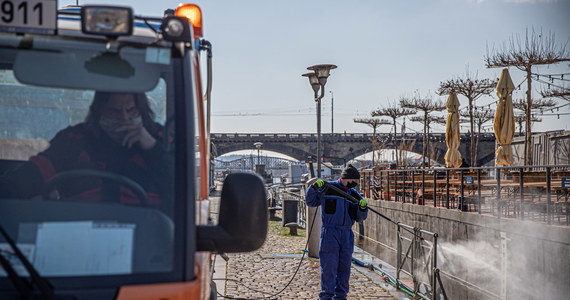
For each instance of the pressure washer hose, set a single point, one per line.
(354, 200)
(386, 276)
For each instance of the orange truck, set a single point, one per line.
(87, 215)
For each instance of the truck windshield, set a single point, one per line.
(86, 159)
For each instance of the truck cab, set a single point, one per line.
(104, 157)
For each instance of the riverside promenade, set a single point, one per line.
(264, 273)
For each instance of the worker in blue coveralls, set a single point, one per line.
(337, 240)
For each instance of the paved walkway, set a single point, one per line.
(263, 274)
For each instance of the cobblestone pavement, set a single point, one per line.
(265, 272)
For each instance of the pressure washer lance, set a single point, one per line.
(354, 200)
(349, 197)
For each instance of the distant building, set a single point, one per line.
(295, 173)
(548, 148)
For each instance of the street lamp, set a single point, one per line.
(322, 72)
(318, 80)
(258, 146)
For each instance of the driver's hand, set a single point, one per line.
(136, 133)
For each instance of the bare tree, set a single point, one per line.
(374, 123)
(426, 105)
(521, 119)
(472, 88)
(537, 105)
(408, 147)
(426, 120)
(557, 87)
(557, 93)
(480, 117)
(536, 49)
(393, 112)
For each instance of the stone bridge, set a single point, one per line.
(339, 148)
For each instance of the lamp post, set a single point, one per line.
(332, 112)
(317, 79)
(258, 146)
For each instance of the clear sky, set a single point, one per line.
(384, 49)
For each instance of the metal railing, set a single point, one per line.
(517, 191)
(280, 192)
(421, 266)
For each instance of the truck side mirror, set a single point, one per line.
(242, 222)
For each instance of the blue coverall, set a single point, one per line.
(337, 240)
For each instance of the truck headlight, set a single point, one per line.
(109, 21)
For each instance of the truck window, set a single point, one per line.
(112, 214)
(27, 123)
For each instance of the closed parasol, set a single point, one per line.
(504, 123)
(452, 137)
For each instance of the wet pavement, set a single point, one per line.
(278, 270)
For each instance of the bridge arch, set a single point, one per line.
(340, 148)
(284, 149)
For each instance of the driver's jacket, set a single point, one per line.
(336, 210)
(82, 147)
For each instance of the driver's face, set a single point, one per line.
(121, 107)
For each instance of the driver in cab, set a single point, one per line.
(120, 136)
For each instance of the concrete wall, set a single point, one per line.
(536, 257)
